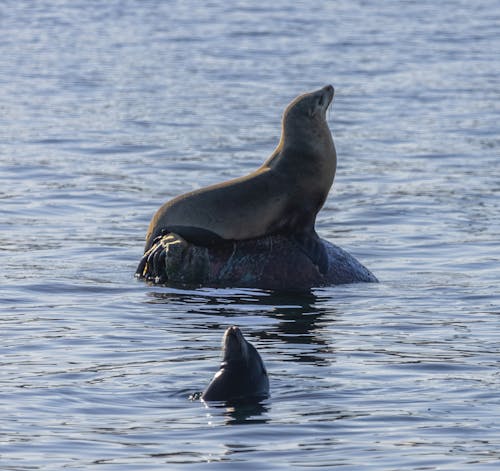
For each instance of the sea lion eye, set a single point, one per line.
(317, 103)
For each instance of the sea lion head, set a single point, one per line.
(311, 105)
(304, 126)
(242, 376)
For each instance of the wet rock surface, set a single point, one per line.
(273, 262)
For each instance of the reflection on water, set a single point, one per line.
(244, 414)
(298, 318)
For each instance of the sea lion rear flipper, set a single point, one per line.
(313, 247)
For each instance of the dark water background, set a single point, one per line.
(107, 109)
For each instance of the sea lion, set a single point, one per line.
(242, 377)
(283, 196)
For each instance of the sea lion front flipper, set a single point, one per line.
(310, 243)
(152, 264)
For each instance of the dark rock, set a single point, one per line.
(273, 262)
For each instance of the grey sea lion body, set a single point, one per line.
(283, 196)
(242, 376)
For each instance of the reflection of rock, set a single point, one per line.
(271, 262)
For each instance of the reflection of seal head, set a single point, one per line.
(283, 196)
(242, 376)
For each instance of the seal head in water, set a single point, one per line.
(242, 377)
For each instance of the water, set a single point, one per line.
(110, 108)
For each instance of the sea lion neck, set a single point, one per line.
(308, 146)
(303, 133)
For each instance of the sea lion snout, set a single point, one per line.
(328, 93)
(234, 344)
(329, 90)
(232, 333)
